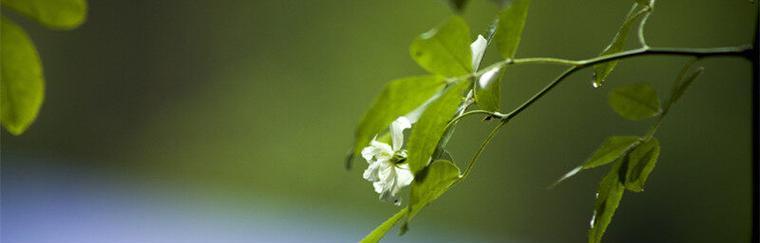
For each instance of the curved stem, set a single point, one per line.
(483, 145)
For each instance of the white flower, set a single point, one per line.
(386, 171)
(478, 48)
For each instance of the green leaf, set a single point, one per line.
(610, 150)
(458, 5)
(607, 200)
(641, 162)
(398, 98)
(511, 24)
(444, 50)
(377, 234)
(431, 127)
(431, 183)
(54, 14)
(601, 71)
(683, 83)
(488, 90)
(635, 102)
(21, 82)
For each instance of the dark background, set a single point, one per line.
(227, 121)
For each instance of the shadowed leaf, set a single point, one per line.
(607, 200)
(635, 102)
(641, 162)
(601, 71)
(488, 90)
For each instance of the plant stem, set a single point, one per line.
(483, 145)
(742, 51)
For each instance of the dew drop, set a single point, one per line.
(595, 84)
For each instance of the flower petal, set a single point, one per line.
(377, 151)
(404, 176)
(478, 48)
(397, 132)
(371, 173)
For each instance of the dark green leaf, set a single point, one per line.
(377, 234)
(429, 130)
(511, 24)
(488, 90)
(431, 183)
(21, 83)
(635, 102)
(601, 71)
(54, 14)
(444, 50)
(641, 162)
(607, 200)
(610, 150)
(398, 98)
(683, 83)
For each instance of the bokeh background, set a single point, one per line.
(228, 121)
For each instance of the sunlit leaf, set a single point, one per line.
(428, 131)
(21, 82)
(610, 150)
(54, 14)
(607, 200)
(398, 98)
(488, 90)
(511, 24)
(635, 102)
(683, 83)
(640, 163)
(601, 71)
(431, 183)
(377, 234)
(444, 50)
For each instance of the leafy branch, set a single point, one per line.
(455, 84)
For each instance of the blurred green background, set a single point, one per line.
(245, 109)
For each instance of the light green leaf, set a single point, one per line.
(607, 200)
(488, 90)
(377, 234)
(683, 83)
(428, 131)
(601, 71)
(444, 50)
(640, 163)
(610, 150)
(635, 102)
(398, 98)
(431, 183)
(21, 83)
(54, 14)
(511, 24)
